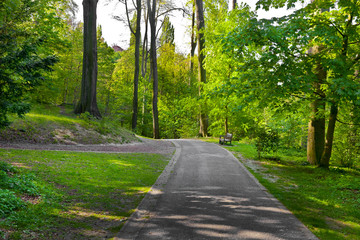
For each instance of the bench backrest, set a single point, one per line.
(228, 136)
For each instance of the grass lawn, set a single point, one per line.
(72, 195)
(326, 201)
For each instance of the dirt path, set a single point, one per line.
(146, 146)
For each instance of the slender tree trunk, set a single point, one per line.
(66, 84)
(226, 120)
(144, 62)
(200, 22)
(325, 159)
(87, 102)
(193, 44)
(226, 125)
(137, 65)
(153, 56)
(234, 4)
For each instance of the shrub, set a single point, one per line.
(266, 140)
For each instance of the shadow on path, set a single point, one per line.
(210, 195)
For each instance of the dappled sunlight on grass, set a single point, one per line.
(99, 191)
(53, 118)
(84, 212)
(121, 163)
(326, 201)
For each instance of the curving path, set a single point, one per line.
(210, 195)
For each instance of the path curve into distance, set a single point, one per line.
(210, 195)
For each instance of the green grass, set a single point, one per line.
(79, 195)
(326, 201)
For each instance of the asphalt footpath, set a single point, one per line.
(206, 193)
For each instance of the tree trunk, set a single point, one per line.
(325, 159)
(200, 22)
(234, 4)
(226, 120)
(87, 102)
(316, 133)
(226, 125)
(137, 65)
(193, 44)
(152, 20)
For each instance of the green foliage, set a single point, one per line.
(24, 183)
(23, 63)
(167, 34)
(7, 168)
(277, 60)
(9, 202)
(347, 144)
(178, 108)
(66, 77)
(106, 66)
(266, 141)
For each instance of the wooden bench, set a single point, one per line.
(225, 138)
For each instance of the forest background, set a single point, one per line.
(287, 82)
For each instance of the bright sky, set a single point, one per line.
(116, 32)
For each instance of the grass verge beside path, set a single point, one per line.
(74, 195)
(326, 201)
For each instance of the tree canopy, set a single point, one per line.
(289, 81)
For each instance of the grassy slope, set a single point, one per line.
(53, 124)
(326, 201)
(69, 195)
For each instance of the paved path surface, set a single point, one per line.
(210, 195)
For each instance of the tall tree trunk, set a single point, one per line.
(137, 65)
(325, 159)
(152, 20)
(226, 125)
(316, 132)
(234, 4)
(200, 22)
(193, 43)
(87, 102)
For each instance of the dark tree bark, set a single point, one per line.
(137, 34)
(200, 22)
(153, 63)
(234, 4)
(193, 43)
(325, 158)
(87, 102)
